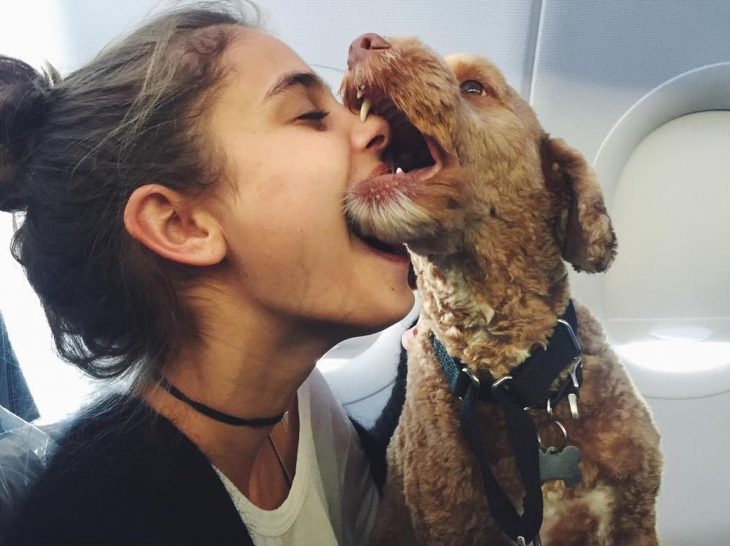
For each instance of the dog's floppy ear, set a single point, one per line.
(580, 222)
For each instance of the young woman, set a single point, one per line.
(183, 228)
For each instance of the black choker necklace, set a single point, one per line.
(215, 414)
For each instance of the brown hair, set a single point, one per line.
(73, 149)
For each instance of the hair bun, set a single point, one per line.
(25, 99)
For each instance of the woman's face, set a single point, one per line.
(292, 151)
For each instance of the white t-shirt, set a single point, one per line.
(332, 500)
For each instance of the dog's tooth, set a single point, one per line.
(399, 171)
(359, 93)
(365, 109)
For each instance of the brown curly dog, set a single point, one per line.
(490, 207)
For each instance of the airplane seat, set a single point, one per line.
(361, 371)
(665, 302)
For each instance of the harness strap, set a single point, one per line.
(523, 437)
(525, 388)
(533, 378)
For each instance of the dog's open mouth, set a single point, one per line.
(409, 152)
(410, 159)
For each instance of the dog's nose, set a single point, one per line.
(361, 46)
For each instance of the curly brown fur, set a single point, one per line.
(488, 227)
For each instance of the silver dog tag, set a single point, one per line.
(560, 465)
(573, 402)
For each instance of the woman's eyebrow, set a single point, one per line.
(290, 80)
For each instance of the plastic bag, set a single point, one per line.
(23, 455)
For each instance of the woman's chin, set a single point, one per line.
(397, 305)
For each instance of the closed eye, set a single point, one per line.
(314, 115)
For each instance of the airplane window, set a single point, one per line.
(670, 212)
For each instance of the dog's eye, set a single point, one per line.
(472, 87)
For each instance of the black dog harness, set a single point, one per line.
(527, 387)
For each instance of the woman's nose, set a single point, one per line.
(373, 134)
(364, 45)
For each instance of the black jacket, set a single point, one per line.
(126, 475)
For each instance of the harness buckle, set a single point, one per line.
(464, 380)
(574, 367)
(501, 381)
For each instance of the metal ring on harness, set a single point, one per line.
(561, 428)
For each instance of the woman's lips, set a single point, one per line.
(391, 257)
(397, 258)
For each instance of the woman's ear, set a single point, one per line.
(581, 225)
(174, 226)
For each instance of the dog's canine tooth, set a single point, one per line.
(399, 171)
(365, 109)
